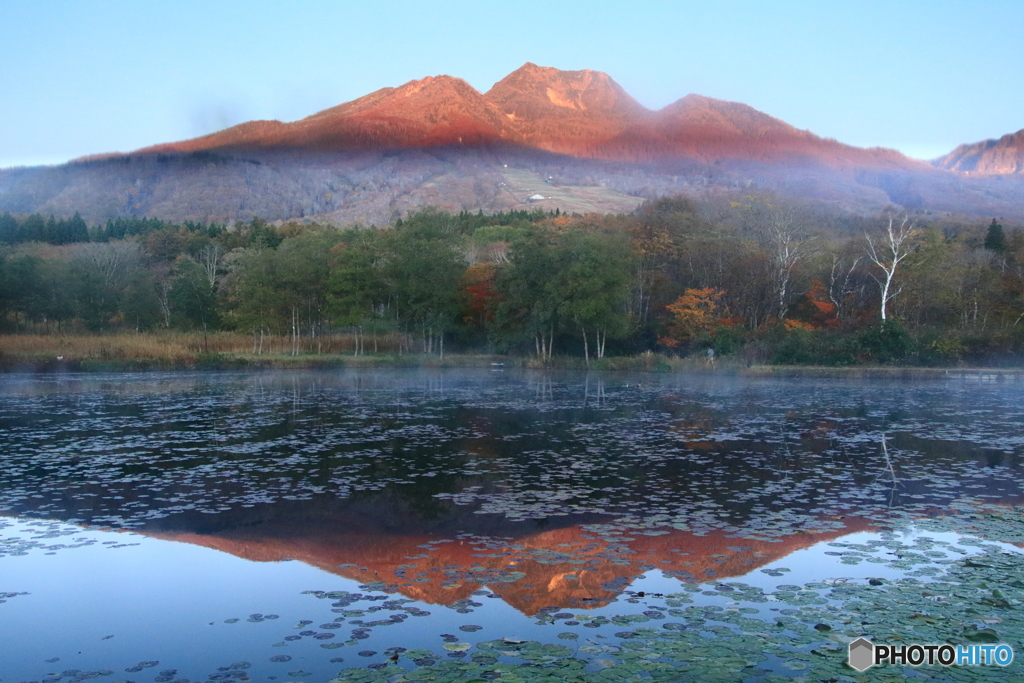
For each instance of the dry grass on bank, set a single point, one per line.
(120, 346)
(168, 345)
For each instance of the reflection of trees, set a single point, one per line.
(543, 388)
(896, 482)
(598, 394)
(784, 455)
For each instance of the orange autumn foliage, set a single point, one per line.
(696, 311)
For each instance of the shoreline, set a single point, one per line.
(886, 372)
(648, 362)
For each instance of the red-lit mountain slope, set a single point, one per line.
(710, 130)
(990, 157)
(584, 114)
(439, 142)
(431, 112)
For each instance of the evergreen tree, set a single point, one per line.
(8, 228)
(33, 229)
(77, 230)
(995, 240)
(261, 233)
(51, 233)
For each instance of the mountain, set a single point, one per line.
(990, 157)
(536, 570)
(584, 114)
(710, 129)
(576, 138)
(431, 112)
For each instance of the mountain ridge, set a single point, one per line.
(1002, 156)
(575, 139)
(583, 113)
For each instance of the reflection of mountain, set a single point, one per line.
(566, 567)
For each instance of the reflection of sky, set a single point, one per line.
(157, 599)
(168, 602)
(813, 564)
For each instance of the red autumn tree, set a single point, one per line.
(815, 310)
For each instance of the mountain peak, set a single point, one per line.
(544, 90)
(568, 112)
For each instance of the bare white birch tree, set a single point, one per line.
(894, 246)
(112, 261)
(782, 230)
(209, 258)
(787, 247)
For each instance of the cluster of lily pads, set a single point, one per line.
(36, 535)
(757, 461)
(963, 593)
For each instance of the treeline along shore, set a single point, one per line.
(731, 282)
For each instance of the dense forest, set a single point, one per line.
(759, 277)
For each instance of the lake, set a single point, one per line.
(500, 525)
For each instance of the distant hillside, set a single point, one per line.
(438, 141)
(989, 157)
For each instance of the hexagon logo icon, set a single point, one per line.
(861, 654)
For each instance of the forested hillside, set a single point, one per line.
(757, 276)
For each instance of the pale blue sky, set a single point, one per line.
(81, 78)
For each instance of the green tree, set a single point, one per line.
(591, 286)
(260, 233)
(303, 269)
(140, 305)
(995, 239)
(21, 289)
(193, 301)
(75, 230)
(357, 291)
(102, 272)
(423, 267)
(60, 292)
(252, 294)
(32, 229)
(527, 307)
(8, 228)
(576, 282)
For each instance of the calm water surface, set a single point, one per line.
(175, 527)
